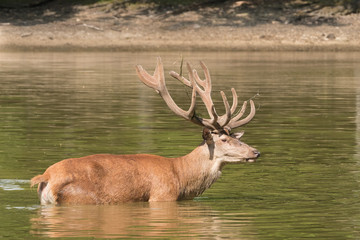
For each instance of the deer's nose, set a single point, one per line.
(256, 153)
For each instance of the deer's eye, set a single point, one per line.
(223, 140)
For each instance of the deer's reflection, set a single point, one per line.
(161, 219)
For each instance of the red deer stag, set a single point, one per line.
(111, 179)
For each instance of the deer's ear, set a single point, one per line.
(238, 135)
(207, 136)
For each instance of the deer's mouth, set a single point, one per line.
(250, 160)
(254, 157)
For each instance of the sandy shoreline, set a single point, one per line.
(97, 29)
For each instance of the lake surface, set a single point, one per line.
(305, 185)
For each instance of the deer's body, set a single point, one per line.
(111, 179)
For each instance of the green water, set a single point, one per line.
(305, 185)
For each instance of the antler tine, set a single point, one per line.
(205, 96)
(226, 118)
(235, 101)
(181, 79)
(207, 82)
(157, 82)
(234, 122)
(147, 79)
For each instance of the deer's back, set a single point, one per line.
(106, 178)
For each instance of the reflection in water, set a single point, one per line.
(155, 219)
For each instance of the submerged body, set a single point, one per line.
(111, 179)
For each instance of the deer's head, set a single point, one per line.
(223, 144)
(228, 148)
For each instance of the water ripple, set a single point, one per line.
(12, 184)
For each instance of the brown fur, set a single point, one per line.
(111, 179)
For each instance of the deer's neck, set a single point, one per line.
(197, 171)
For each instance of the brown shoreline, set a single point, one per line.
(96, 28)
(175, 47)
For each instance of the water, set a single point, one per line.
(305, 185)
